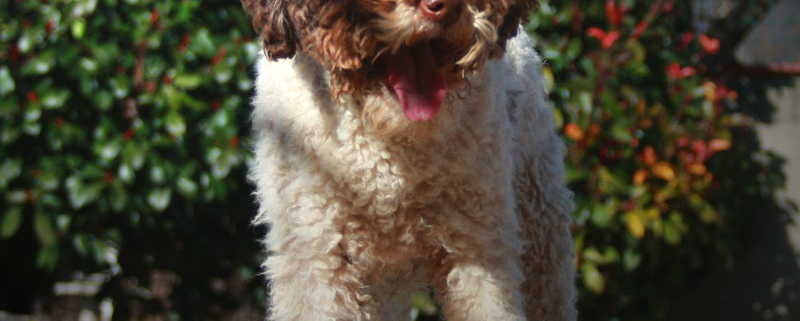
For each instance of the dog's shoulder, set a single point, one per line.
(289, 90)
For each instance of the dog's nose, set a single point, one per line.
(437, 9)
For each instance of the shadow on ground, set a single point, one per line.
(764, 283)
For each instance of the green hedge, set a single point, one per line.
(123, 135)
(124, 128)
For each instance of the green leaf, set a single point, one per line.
(80, 194)
(12, 219)
(63, 222)
(631, 259)
(592, 278)
(52, 99)
(159, 198)
(223, 73)
(88, 65)
(119, 198)
(7, 84)
(157, 174)
(16, 196)
(43, 226)
(125, 173)
(81, 244)
(109, 150)
(134, 155)
(47, 257)
(29, 39)
(202, 43)
(188, 81)
(186, 187)
(10, 169)
(78, 28)
(47, 181)
(120, 87)
(175, 124)
(39, 64)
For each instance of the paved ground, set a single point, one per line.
(765, 282)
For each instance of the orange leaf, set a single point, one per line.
(649, 156)
(664, 170)
(696, 169)
(710, 90)
(640, 176)
(573, 131)
(719, 144)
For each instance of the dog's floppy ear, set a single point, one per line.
(519, 12)
(272, 20)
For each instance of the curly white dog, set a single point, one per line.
(405, 144)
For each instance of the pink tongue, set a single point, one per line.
(417, 82)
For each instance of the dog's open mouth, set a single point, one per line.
(415, 78)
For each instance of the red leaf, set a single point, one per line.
(614, 14)
(640, 28)
(710, 45)
(609, 39)
(108, 177)
(596, 33)
(668, 7)
(700, 150)
(154, 17)
(675, 71)
(32, 97)
(685, 40)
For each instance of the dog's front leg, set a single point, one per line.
(479, 282)
(310, 281)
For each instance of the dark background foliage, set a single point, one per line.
(123, 153)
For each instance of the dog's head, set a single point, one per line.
(406, 51)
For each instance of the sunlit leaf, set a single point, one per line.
(592, 278)
(635, 224)
(159, 198)
(7, 84)
(664, 170)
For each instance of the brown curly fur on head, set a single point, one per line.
(352, 37)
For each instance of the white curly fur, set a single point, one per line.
(478, 210)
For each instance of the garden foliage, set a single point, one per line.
(663, 156)
(123, 148)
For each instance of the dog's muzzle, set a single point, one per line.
(439, 10)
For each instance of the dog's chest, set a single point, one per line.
(405, 203)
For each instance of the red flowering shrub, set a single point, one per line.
(658, 146)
